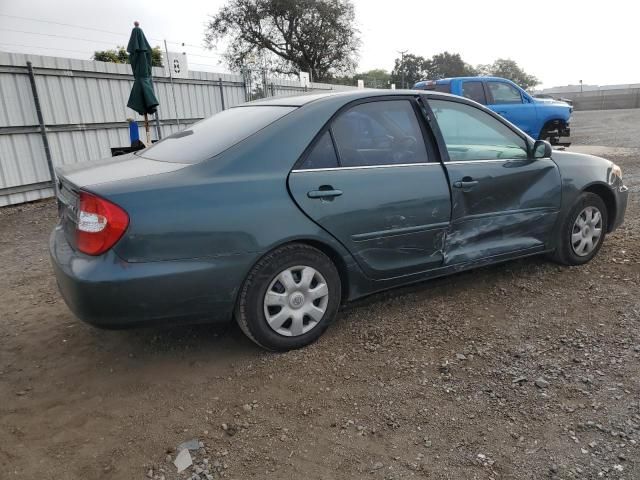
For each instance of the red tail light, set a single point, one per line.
(100, 224)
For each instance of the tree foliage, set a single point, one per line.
(287, 36)
(376, 78)
(120, 55)
(509, 69)
(445, 64)
(410, 68)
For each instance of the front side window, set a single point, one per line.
(475, 91)
(504, 93)
(471, 134)
(379, 133)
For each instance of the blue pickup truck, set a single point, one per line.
(543, 119)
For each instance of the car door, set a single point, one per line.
(504, 202)
(373, 182)
(507, 100)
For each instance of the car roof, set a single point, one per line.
(443, 81)
(346, 95)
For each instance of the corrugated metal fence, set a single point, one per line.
(84, 111)
(605, 99)
(594, 97)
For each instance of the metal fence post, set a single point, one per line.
(158, 133)
(221, 91)
(173, 91)
(43, 130)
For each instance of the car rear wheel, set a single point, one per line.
(289, 298)
(583, 231)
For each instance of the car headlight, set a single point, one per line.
(616, 171)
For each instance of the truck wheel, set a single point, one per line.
(551, 132)
(582, 232)
(289, 298)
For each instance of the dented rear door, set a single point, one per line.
(373, 182)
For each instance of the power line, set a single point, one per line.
(204, 65)
(60, 23)
(213, 55)
(44, 48)
(217, 55)
(93, 29)
(183, 44)
(58, 36)
(84, 52)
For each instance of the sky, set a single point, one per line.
(561, 42)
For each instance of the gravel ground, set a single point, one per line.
(523, 370)
(609, 128)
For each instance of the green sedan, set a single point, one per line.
(277, 212)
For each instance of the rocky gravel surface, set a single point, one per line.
(524, 370)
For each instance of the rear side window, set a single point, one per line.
(379, 133)
(474, 91)
(212, 136)
(504, 93)
(323, 155)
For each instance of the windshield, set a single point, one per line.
(212, 136)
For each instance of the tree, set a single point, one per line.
(509, 69)
(376, 78)
(120, 55)
(288, 36)
(411, 68)
(418, 68)
(445, 65)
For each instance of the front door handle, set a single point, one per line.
(324, 193)
(465, 184)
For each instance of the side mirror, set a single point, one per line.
(541, 149)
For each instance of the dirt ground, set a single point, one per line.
(523, 370)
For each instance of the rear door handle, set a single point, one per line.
(329, 193)
(465, 184)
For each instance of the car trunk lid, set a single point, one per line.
(86, 175)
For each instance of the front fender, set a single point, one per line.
(580, 172)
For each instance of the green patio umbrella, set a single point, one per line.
(142, 99)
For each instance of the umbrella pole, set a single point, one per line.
(146, 128)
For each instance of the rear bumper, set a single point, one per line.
(108, 292)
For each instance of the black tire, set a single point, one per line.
(551, 133)
(565, 253)
(250, 309)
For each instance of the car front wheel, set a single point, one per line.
(289, 298)
(583, 231)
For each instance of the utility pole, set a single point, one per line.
(402, 52)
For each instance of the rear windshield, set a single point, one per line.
(211, 136)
